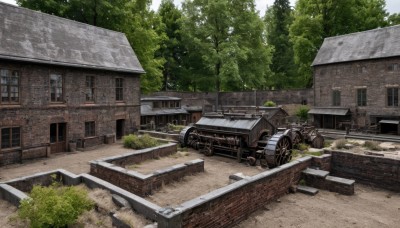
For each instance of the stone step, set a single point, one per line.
(307, 190)
(316, 172)
(340, 185)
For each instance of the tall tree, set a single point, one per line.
(393, 19)
(315, 20)
(278, 18)
(132, 17)
(224, 40)
(172, 49)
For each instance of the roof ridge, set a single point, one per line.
(365, 31)
(67, 19)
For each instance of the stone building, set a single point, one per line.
(357, 80)
(63, 83)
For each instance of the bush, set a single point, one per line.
(142, 142)
(269, 104)
(54, 206)
(302, 113)
(340, 143)
(372, 145)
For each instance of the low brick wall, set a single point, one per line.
(141, 155)
(38, 152)
(10, 157)
(322, 162)
(141, 184)
(378, 171)
(231, 204)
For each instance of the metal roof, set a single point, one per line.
(27, 35)
(160, 98)
(246, 124)
(329, 111)
(146, 110)
(389, 122)
(372, 44)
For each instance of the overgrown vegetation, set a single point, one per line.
(303, 146)
(139, 142)
(173, 127)
(269, 104)
(302, 113)
(372, 145)
(54, 206)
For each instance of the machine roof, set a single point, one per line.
(236, 123)
(27, 35)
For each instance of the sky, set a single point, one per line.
(392, 6)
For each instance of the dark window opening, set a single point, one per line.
(90, 129)
(56, 88)
(10, 137)
(362, 97)
(393, 97)
(119, 89)
(90, 88)
(9, 86)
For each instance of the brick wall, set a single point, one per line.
(322, 162)
(140, 184)
(378, 171)
(35, 112)
(372, 75)
(229, 205)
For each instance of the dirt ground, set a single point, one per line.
(369, 207)
(216, 175)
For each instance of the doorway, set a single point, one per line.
(120, 125)
(58, 132)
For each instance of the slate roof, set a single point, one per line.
(372, 44)
(27, 35)
(146, 110)
(234, 123)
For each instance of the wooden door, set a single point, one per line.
(120, 125)
(58, 135)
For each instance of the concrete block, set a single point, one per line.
(316, 173)
(340, 180)
(307, 190)
(119, 201)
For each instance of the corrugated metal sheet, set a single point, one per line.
(372, 44)
(160, 98)
(32, 36)
(329, 111)
(389, 122)
(145, 110)
(244, 124)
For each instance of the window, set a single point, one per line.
(90, 129)
(10, 137)
(393, 97)
(393, 67)
(336, 98)
(119, 89)
(362, 97)
(90, 88)
(56, 88)
(156, 104)
(9, 86)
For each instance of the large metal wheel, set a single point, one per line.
(317, 141)
(184, 138)
(297, 138)
(278, 150)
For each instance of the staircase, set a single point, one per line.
(319, 179)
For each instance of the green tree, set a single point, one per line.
(172, 49)
(394, 19)
(225, 45)
(315, 20)
(278, 18)
(132, 17)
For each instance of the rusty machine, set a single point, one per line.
(248, 137)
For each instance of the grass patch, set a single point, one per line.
(372, 145)
(303, 146)
(328, 143)
(316, 153)
(179, 154)
(140, 142)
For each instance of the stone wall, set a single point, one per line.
(280, 97)
(35, 112)
(377, 171)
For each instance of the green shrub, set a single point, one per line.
(54, 206)
(302, 113)
(340, 143)
(303, 146)
(139, 142)
(269, 104)
(176, 127)
(372, 145)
